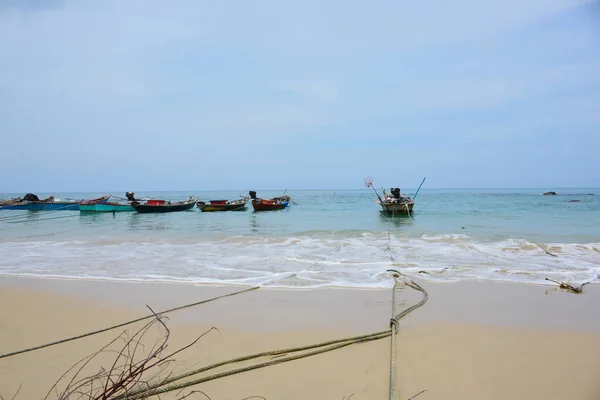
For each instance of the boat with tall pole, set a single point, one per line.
(394, 203)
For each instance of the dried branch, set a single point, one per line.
(192, 393)
(15, 395)
(568, 287)
(134, 368)
(420, 393)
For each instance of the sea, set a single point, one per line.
(326, 238)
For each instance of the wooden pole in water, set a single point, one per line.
(415, 196)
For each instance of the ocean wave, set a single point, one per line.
(303, 260)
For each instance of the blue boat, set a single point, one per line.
(49, 204)
(35, 206)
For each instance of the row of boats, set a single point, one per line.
(392, 203)
(30, 202)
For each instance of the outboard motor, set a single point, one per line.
(130, 196)
(252, 194)
(31, 197)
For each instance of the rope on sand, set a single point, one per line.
(284, 355)
(14, 353)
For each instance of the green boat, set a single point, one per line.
(105, 207)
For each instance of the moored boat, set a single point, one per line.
(223, 205)
(105, 207)
(273, 204)
(163, 206)
(29, 203)
(394, 203)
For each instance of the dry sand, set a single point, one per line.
(472, 340)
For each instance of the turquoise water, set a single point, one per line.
(327, 238)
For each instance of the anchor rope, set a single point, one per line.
(22, 221)
(285, 355)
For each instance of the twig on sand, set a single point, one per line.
(193, 392)
(421, 392)
(129, 370)
(568, 287)
(15, 395)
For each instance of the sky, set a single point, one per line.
(189, 95)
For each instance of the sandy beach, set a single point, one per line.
(471, 340)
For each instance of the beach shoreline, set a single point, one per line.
(473, 339)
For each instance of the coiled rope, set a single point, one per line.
(14, 353)
(284, 355)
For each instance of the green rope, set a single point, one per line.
(163, 387)
(394, 327)
(14, 353)
(169, 384)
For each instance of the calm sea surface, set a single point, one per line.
(327, 238)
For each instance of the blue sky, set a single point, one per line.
(189, 95)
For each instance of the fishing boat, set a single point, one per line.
(394, 203)
(31, 203)
(273, 204)
(105, 207)
(163, 206)
(223, 205)
(108, 206)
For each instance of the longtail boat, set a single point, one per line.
(273, 204)
(394, 203)
(223, 205)
(29, 203)
(105, 207)
(108, 206)
(163, 206)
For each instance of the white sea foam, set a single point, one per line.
(352, 260)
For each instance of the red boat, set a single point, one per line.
(276, 203)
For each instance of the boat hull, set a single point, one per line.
(397, 208)
(163, 208)
(49, 205)
(106, 207)
(261, 206)
(35, 206)
(222, 207)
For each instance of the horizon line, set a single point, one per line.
(311, 189)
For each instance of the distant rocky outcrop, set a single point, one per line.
(550, 194)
